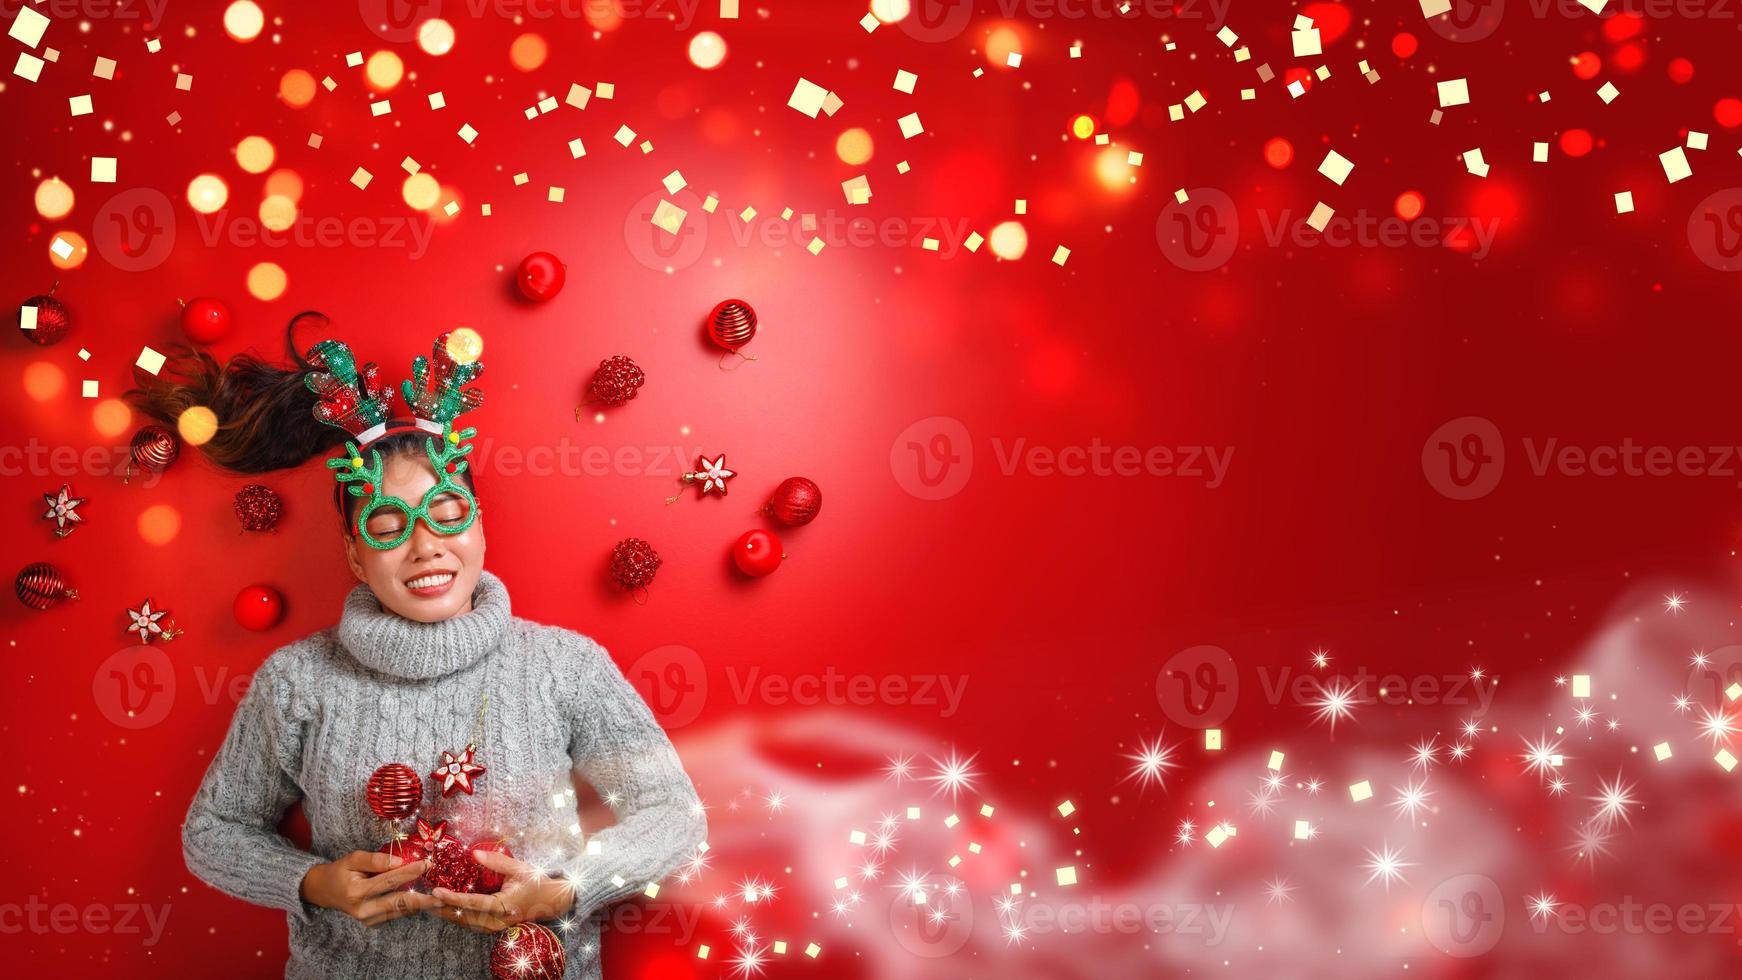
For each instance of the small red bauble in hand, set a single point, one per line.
(407, 851)
(205, 320)
(490, 882)
(257, 607)
(540, 277)
(528, 951)
(757, 552)
(634, 563)
(394, 791)
(795, 502)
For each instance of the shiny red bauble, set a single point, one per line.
(732, 324)
(258, 607)
(757, 552)
(53, 320)
(406, 850)
(394, 792)
(451, 867)
(795, 502)
(528, 951)
(634, 563)
(205, 320)
(490, 882)
(41, 586)
(540, 277)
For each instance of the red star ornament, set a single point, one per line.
(456, 773)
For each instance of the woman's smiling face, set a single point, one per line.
(431, 576)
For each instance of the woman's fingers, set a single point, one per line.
(368, 862)
(472, 919)
(389, 907)
(467, 900)
(501, 863)
(386, 881)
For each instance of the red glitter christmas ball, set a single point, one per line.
(258, 507)
(732, 324)
(451, 867)
(616, 381)
(634, 563)
(795, 502)
(528, 951)
(407, 850)
(394, 791)
(40, 586)
(53, 320)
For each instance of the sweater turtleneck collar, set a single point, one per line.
(390, 644)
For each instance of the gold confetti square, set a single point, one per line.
(1302, 830)
(578, 95)
(606, 90)
(467, 133)
(184, 82)
(710, 204)
(1216, 836)
(910, 125)
(1275, 763)
(1336, 167)
(1067, 808)
(28, 28)
(556, 195)
(1723, 758)
(975, 240)
(1581, 685)
(1321, 216)
(1213, 739)
(29, 66)
(437, 100)
(577, 149)
(745, 216)
(1013, 59)
(816, 246)
(362, 178)
(1675, 164)
(1624, 202)
(1061, 255)
(102, 170)
(88, 388)
(832, 104)
(674, 182)
(624, 136)
(104, 69)
(904, 81)
(1362, 790)
(807, 97)
(1608, 92)
(780, 944)
(1454, 91)
(148, 361)
(354, 59)
(813, 950)
(380, 108)
(869, 22)
(1661, 750)
(1066, 875)
(80, 105)
(669, 217)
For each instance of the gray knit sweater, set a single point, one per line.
(326, 711)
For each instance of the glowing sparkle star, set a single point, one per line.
(1557, 786)
(1612, 799)
(1471, 728)
(882, 842)
(1313, 785)
(1683, 703)
(1476, 673)
(1542, 906)
(1152, 762)
(1260, 802)
(1321, 658)
(1459, 751)
(1411, 799)
(911, 885)
(1717, 726)
(1585, 715)
(1334, 703)
(749, 962)
(1589, 843)
(953, 775)
(1539, 756)
(1185, 836)
(1674, 602)
(1423, 754)
(1014, 933)
(1274, 781)
(775, 802)
(1698, 659)
(1386, 865)
(1278, 890)
(900, 768)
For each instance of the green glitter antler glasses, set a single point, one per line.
(436, 395)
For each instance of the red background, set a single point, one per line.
(1325, 369)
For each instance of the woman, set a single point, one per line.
(427, 667)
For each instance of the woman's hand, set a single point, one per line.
(527, 895)
(365, 886)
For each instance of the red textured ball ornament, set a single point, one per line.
(258, 507)
(796, 502)
(258, 608)
(634, 563)
(540, 277)
(528, 951)
(154, 448)
(406, 850)
(757, 553)
(490, 882)
(205, 320)
(732, 324)
(53, 320)
(617, 381)
(451, 867)
(394, 792)
(40, 586)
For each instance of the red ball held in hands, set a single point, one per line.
(258, 607)
(540, 277)
(757, 552)
(205, 320)
(490, 882)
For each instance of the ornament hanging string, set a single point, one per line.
(738, 354)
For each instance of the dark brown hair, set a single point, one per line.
(265, 412)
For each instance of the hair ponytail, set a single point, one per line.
(265, 412)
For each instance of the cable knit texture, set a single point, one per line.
(326, 711)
